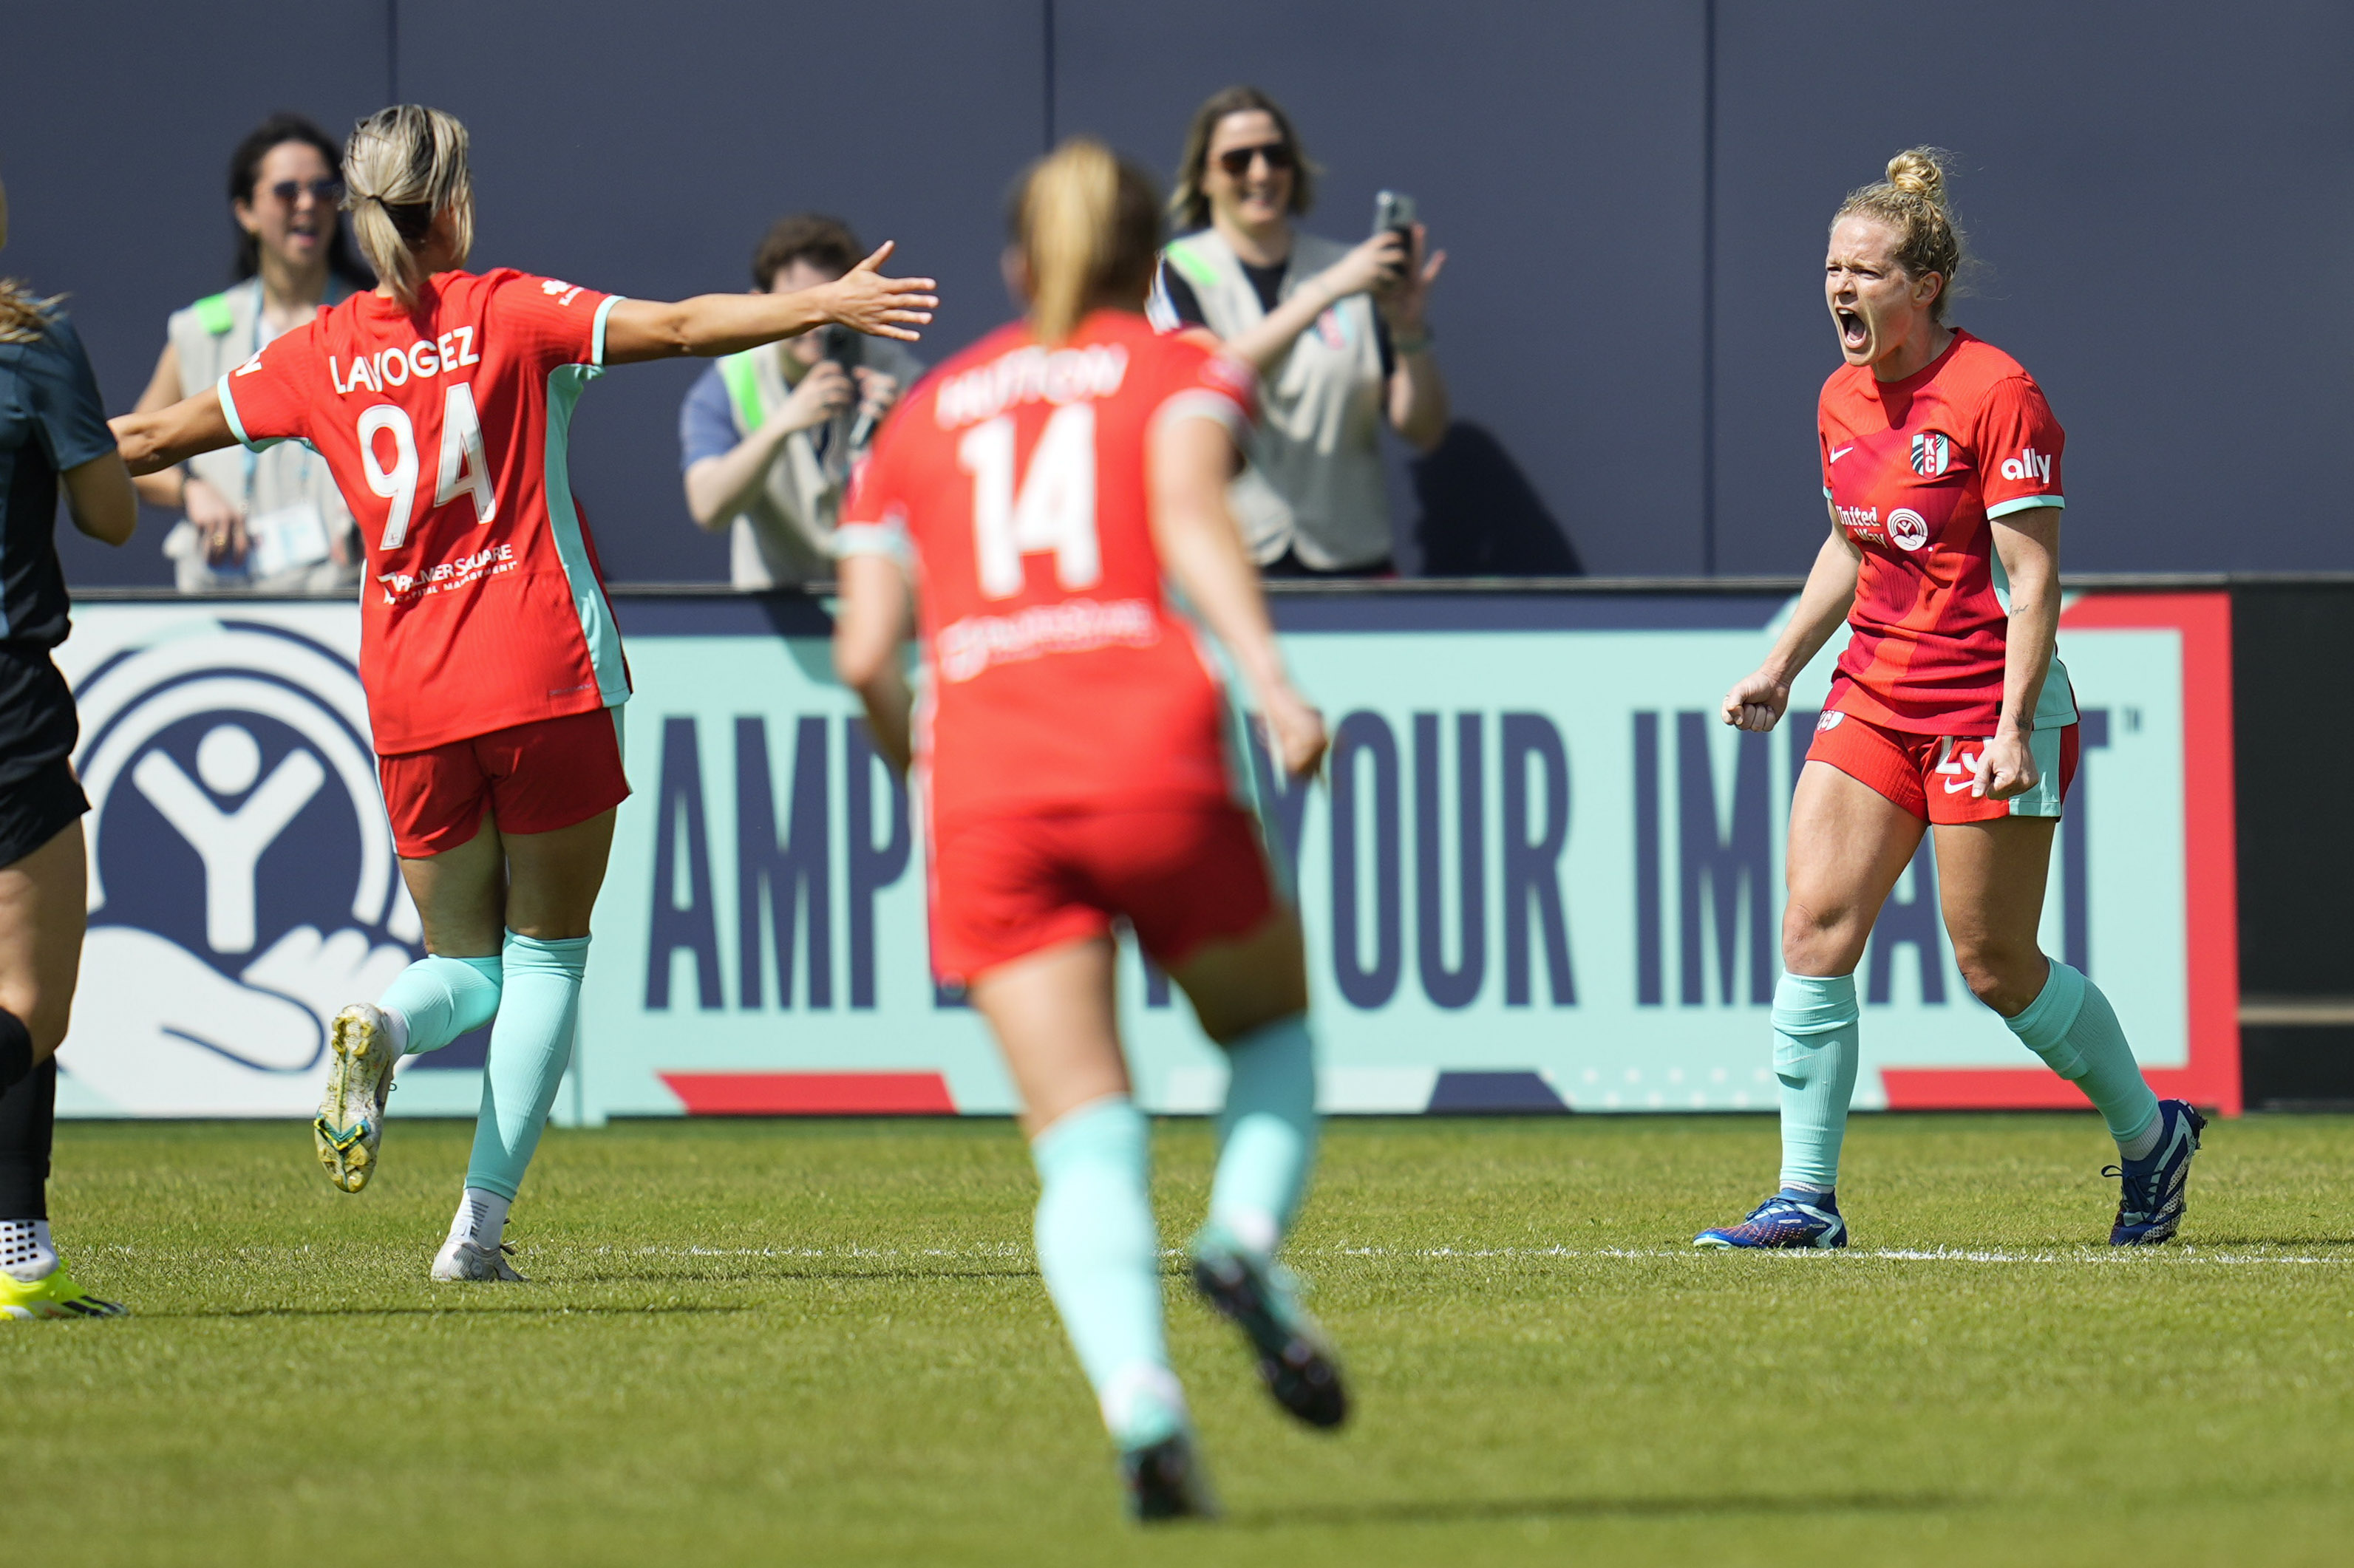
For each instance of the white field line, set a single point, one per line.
(2106, 1256)
(2125, 1256)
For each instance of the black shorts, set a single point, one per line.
(36, 809)
(38, 793)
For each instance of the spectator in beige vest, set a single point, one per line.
(271, 521)
(1336, 332)
(767, 437)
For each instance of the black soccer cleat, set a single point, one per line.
(1297, 1367)
(1165, 1481)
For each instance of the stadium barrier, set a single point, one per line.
(1542, 874)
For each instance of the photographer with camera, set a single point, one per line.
(1336, 333)
(768, 435)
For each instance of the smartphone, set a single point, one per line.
(1394, 213)
(841, 345)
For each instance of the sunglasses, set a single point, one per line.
(326, 193)
(1236, 161)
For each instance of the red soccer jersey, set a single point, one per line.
(1914, 469)
(1013, 478)
(446, 430)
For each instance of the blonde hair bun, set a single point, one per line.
(1918, 172)
(1912, 202)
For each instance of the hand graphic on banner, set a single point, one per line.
(187, 1040)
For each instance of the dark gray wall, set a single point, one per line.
(1633, 198)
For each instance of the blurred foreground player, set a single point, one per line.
(1032, 495)
(52, 431)
(1951, 712)
(443, 402)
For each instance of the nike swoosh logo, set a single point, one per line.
(1956, 786)
(1838, 452)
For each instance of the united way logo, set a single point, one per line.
(1932, 455)
(1907, 529)
(243, 886)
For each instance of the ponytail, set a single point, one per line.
(1089, 225)
(23, 318)
(403, 167)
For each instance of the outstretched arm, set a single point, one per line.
(151, 442)
(711, 324)
(1200, 549)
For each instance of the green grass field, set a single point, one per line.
(826, 1342)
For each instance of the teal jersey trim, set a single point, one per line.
(597, 331)
(237, 425)
(2025, 503)
(596, 626)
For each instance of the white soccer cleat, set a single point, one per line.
(349, 1127)
(462, 1258)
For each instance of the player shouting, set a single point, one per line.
(443, 402)
(1032, 495)
(1951, 710)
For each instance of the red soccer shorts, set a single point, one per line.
(532, 779)
(1930, 774)
(1004, 887)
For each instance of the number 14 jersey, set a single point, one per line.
(447, 430)
(1012, 482)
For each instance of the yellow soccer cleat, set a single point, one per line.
(55, 1297)
(349, 1127)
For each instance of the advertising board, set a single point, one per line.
(1537, 874)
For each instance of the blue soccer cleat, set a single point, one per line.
(1786, 1219)
(2149, 1208)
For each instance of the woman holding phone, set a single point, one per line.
(1336, 332)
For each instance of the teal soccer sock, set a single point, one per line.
(1267, 1135)
(1816, 1047)
(1101, 1255)
(531, 1045)
(439, 999)
(2073, 1027)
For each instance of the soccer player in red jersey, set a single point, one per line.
(1950, 714)
(1033, 497)
(443, 402)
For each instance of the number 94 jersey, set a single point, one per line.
(1012, 484)
(446, 429)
